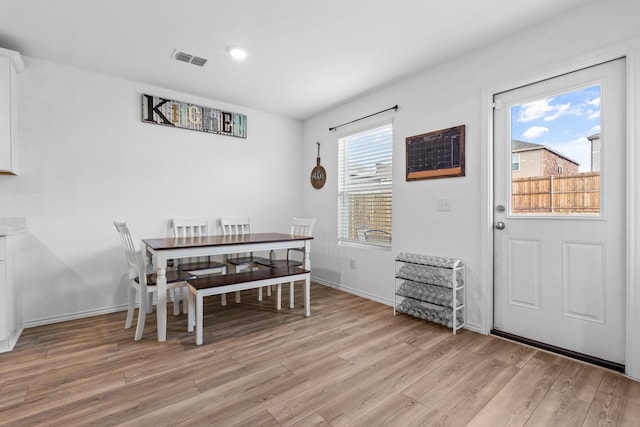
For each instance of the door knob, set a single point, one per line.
(500, 225)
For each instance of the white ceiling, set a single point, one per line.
(306, 56)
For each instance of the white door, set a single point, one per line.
(559, 235)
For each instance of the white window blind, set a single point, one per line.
(365, 186)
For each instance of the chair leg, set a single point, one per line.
(268, 291)
(149, 297)
(292, 298)
(142, 316)
(278, 296)
(237, 297)
(130, 308)
(185, 299)
(223, 297)
(176, 301)
(260, 293)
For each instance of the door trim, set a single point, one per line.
(629, 50)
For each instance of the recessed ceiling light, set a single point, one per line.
(238, 52)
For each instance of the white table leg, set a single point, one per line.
(307, 296)
(278, 296)
(191, 300)
(161, 305)
(292, 296)
(307, 284)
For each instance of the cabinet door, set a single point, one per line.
(4, 333)
(7, 154)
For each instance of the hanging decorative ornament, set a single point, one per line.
(318, 175)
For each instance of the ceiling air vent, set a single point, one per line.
(185, 57)
(198, 61)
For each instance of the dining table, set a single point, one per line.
(166, 248)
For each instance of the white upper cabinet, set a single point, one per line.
(10, 64)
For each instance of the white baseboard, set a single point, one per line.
(73, 316)
(354, 291)
(470, 326)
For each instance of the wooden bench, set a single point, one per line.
(221, 284)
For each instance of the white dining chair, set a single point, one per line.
(299, 227)
(142, 282)
(200, 266)
(235, 226)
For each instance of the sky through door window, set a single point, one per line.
(557, 142)
(365, 186)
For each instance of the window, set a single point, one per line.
(515, 162)
(365, 186)
(565, 179)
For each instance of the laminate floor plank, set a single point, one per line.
(514, 403)
(579, 380)
(558, 409)
(612, 405)
(397, 410)
(467, 398)
(313, 420)
(438, 381)
(339, 386)
(373, 393)
(12, 394)
(507, 351)
(352, 363)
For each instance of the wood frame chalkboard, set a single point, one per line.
(436, 154)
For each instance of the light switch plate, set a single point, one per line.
(444, 204)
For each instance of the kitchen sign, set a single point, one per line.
(185, 115)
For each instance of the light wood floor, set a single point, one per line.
(351, 363)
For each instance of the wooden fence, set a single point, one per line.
(562, 194)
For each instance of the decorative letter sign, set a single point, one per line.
(188, 116)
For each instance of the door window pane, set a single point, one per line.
(555, 155)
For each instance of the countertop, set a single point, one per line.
(9, 226)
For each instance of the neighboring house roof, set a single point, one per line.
(520, 146)
(594, 136)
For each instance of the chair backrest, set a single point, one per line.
(190, 227)
(303, 226)
(135, 258)
(233, 226)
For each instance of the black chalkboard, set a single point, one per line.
(436, 154)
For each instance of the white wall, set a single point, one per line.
(87, 159)
(442, 97)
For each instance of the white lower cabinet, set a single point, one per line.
(10, 323)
